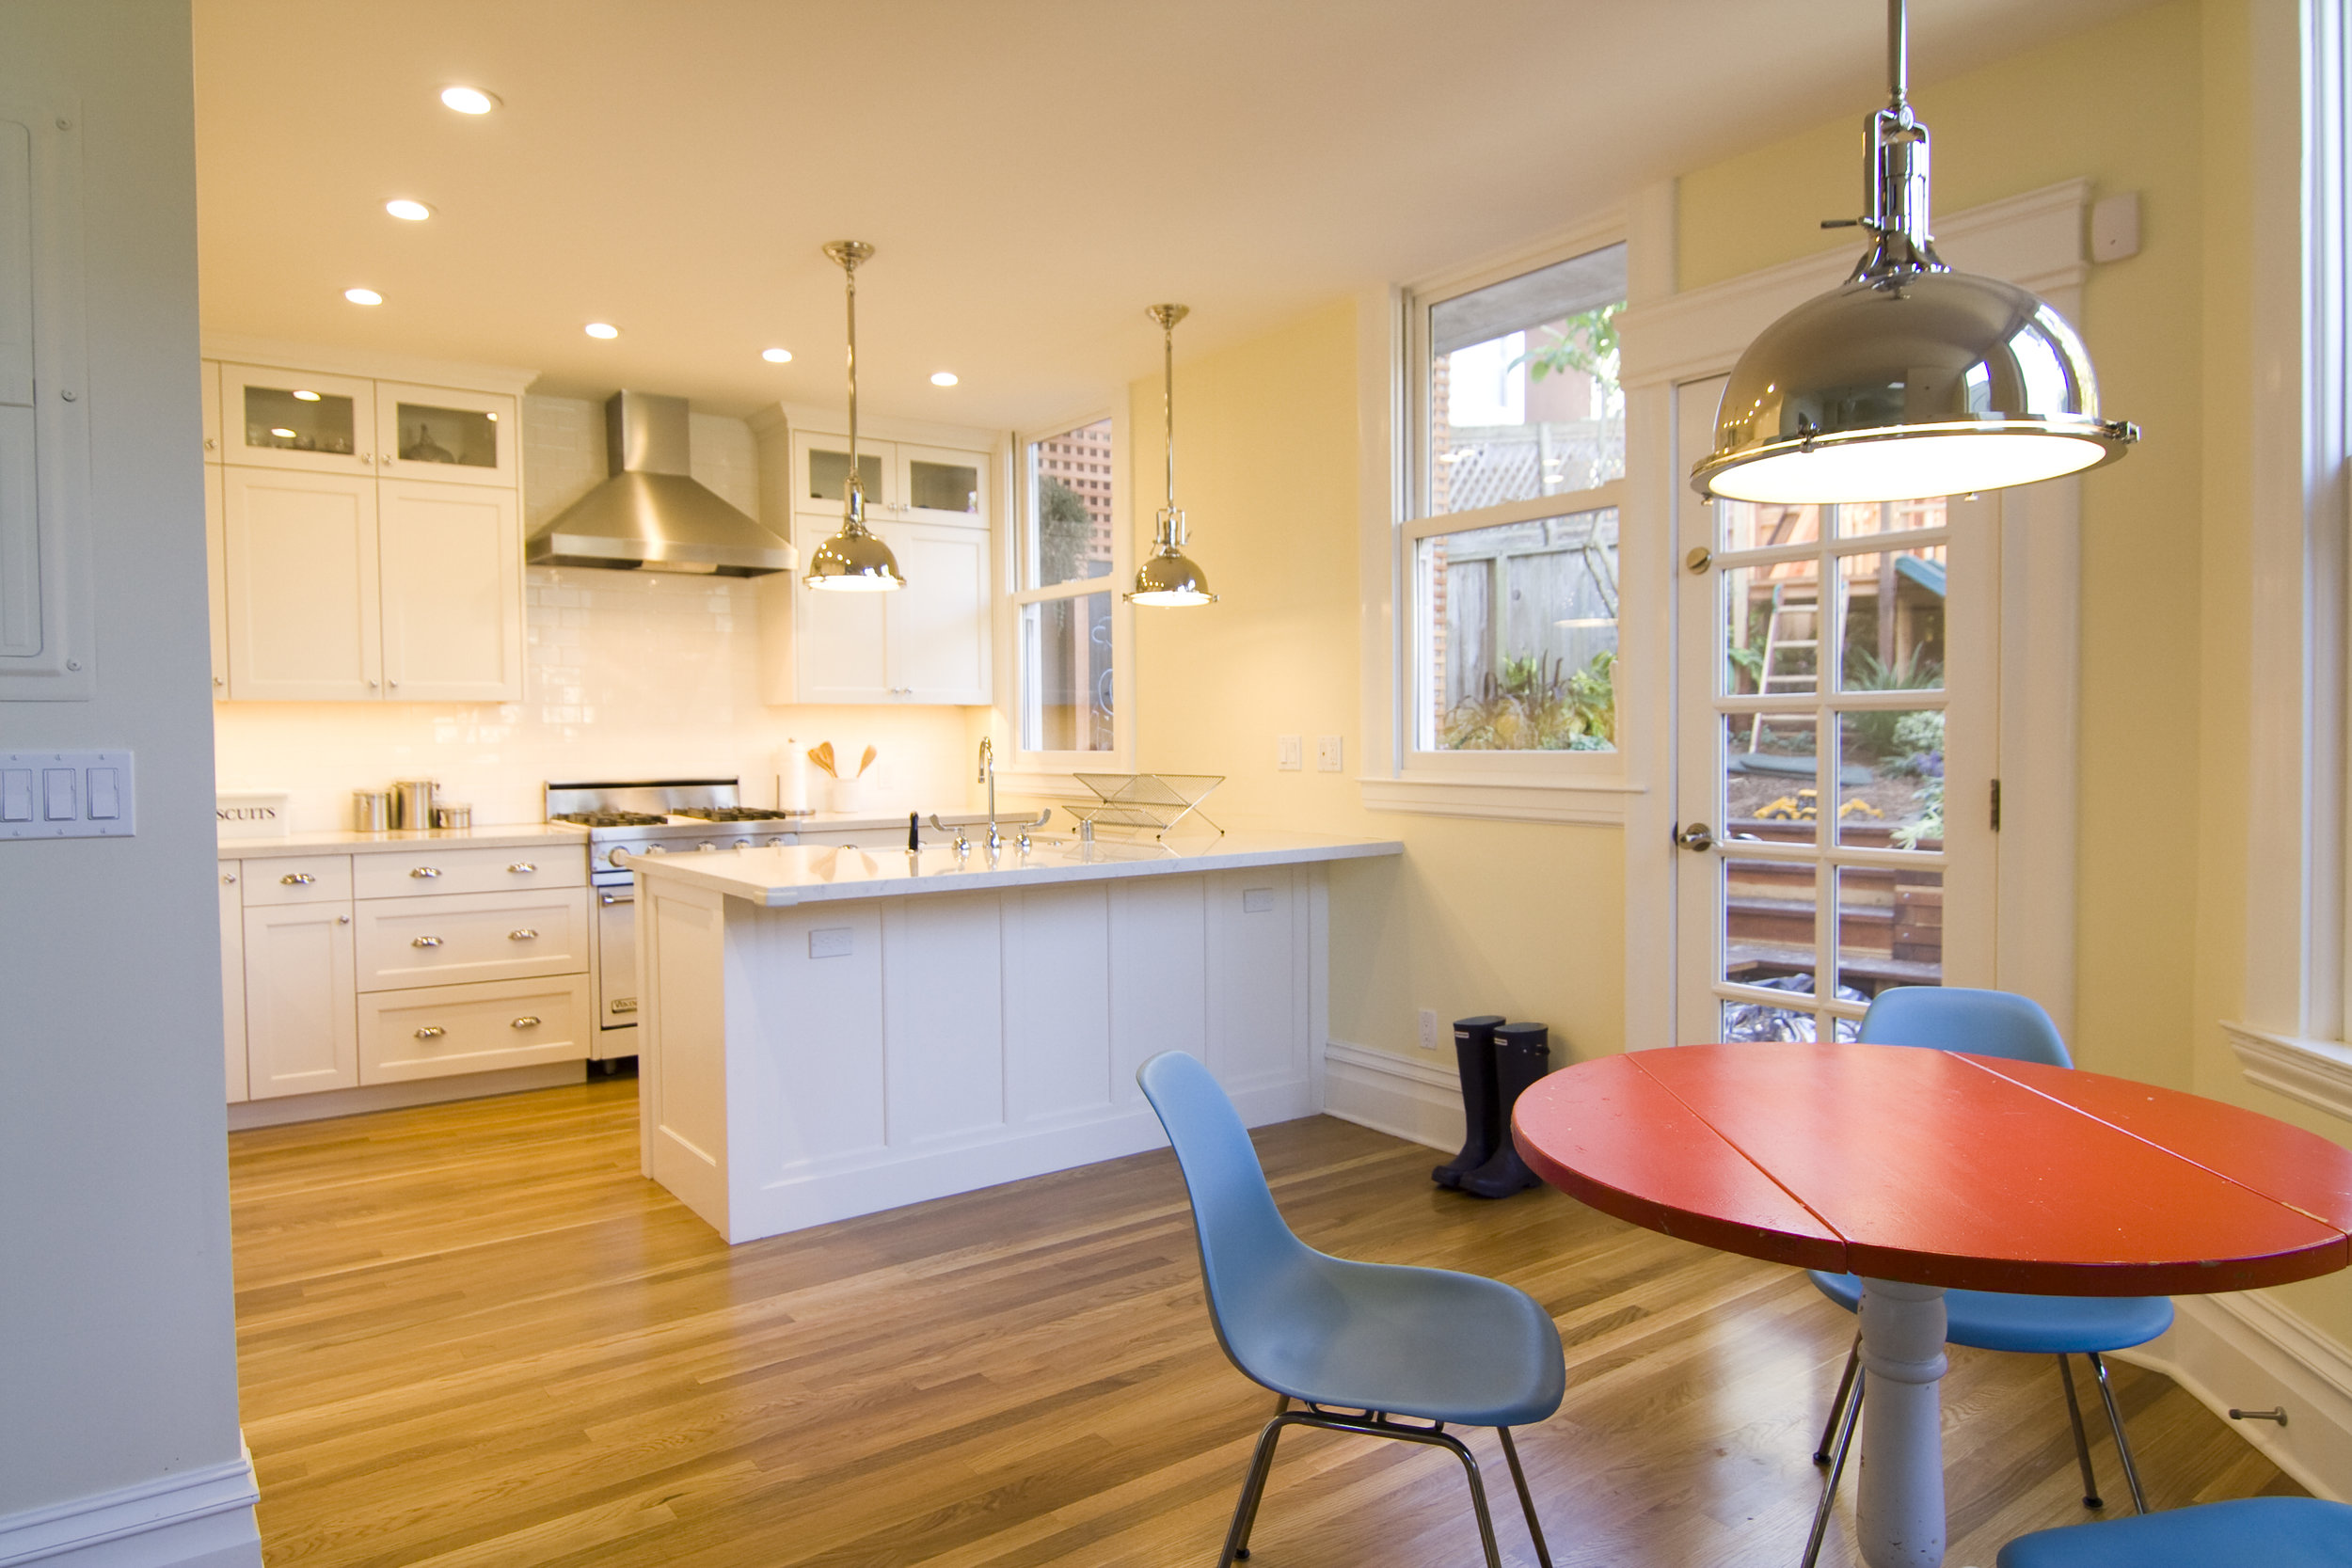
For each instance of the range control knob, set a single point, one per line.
(742, 844)
(657, 849)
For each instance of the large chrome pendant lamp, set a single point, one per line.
(1910, 380)
(1169, 577)
(853, 561)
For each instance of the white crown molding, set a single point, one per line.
(1600, 803)
(2318, 1073)
(821, 420)
(173, 1505)
(238, 349)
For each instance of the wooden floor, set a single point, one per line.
(472, 1335)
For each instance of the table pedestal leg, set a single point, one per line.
(1902, 1437)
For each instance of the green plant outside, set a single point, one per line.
(1538, 705)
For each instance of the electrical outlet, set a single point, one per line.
(1329, 753)
(1289, 752)
(1428, 1029)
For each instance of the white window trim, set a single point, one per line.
(1048, 773)
(2294, 1036)
(1392, 396)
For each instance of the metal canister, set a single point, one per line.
(371, 810)
(412, 802)
(453, 817)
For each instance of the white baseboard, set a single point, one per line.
(196, 1519)
(2248, 1352)
(1417, 1100)
(394, 1096)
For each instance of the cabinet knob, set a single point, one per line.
(228, 877)
(424, 871)
(211, 445)
(431, 1032)
(529, 1020)
(298, 879)
(218, 681)
(424, 941)
(394, 685)
(522, 934)
(343, 919)
(371, 686)
(522, 868)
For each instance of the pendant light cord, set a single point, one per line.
(847, 254)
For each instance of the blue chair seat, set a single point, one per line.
(1422, 1342)
(2034, 1325)
(2252, 1532)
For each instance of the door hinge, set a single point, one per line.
(1996, 805)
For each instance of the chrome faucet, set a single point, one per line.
(988, 777)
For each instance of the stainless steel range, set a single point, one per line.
(663, 817)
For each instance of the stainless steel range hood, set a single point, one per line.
(651, 514)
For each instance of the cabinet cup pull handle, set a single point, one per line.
(424, 871)
(523, 868)
(425, 942)
(522, 933)
(431, 1032)
(529, 1020)
(626, 1005)
(298, 879)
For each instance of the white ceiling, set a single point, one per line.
(1033, 172)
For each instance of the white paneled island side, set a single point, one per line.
(828, 1032)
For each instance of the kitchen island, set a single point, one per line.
(828, 1032)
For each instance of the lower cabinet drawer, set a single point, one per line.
(462, 937)
(436, 1030)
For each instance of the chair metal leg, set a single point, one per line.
(2122, 1444)
(1478, 1499)
(1837, 1405)
(1837, 1472)
(1245, 1510)
(2082, 1445)
(1526, 1502)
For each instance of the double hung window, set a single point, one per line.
(1065, 599)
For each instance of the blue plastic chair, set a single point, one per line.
(1992, 1023)
(1358, 1344)
(2252, 1532)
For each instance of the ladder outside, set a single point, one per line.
(1771, 676)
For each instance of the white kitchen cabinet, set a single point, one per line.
(436, 1031)
(301, 421)
(453, 938)
(940, 485)
(451, 562)
(821, 471)
(937, 628)
(210, 394)
(301, 997)
(303, 586)
(216, 575)
(839, 648)
(232, 978)
(444, 436)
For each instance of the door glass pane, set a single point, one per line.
(1756, 526)
(1518, 644)
(1893, 621)
(1890, 779)
(1890, 516)
(465, 436)
(298, 420)
(1066, 526)
(1769, 918)
(829, 475)
(1772, 629)
(1770, 795)
(1756, 1020)
(1523, 394)
(1890, 929)
(943, 486)
(1066, 674)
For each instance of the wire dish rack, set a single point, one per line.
(1152, 802)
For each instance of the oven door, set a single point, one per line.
(616, 968)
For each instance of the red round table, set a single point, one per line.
(1926, 1170)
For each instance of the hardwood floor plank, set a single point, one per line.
(472, 1335)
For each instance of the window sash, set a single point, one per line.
(1020, 567)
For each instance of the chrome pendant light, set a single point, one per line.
(853, 561)
(1169, 577)
(1910, 380)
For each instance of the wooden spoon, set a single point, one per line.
(867, 761)
(822, 756)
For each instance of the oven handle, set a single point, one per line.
(611, 898)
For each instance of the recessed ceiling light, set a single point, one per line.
(776, 355)
(363, 296)
(282, 432)
(601, 330)
(943, 379)
(304, 394)
(415, 211)
(469, 101)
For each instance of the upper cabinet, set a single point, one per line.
(939, 485)
(366, 535)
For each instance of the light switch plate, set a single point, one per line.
(1331, 753)
(1429, 1029)
(67, 795)
(2115, 227)
(830, 941)
(1290, 752)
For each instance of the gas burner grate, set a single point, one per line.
(732, 814)
(610, 819)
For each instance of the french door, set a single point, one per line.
(1834, 790)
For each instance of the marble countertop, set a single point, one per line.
(808, 873)
(514, 835)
